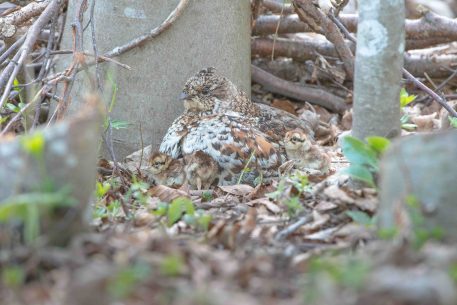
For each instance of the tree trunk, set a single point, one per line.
(378, 64)
(207, 33)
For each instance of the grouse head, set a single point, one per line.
(296, 140)
(205, 90)
(159, 162)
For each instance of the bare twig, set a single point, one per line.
(430, 92)
(320, 23)
(11, 49)
(21, 112)
(32, 35)
(152, 34)
(411, 77)
(94, 45)
(275, 36)
(293, 227)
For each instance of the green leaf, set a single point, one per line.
(453, 122)
(118, 124)
(360, 173)
(404, 119)
(405, 98)
(388, 233)
(379, 144)
(12, 107)
(409, 127)
(34, 143)
(207, 196)
(361, 218)
(359, 153)
(101, 189)
(172, 265)
(123, 283)
(179, 206)
(203, 221)
(162, 209)
(13, 276)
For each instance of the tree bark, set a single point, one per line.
(378, 68)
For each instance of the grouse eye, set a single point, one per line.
(205, 90)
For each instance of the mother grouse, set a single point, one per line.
(245, 139)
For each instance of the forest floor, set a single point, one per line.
(299, 240)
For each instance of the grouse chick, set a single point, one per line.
(201, 170)
(306, 155)
(166, 170)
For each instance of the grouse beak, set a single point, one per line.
(183, 96)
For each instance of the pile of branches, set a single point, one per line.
(321, 44)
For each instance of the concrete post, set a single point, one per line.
(208, 33)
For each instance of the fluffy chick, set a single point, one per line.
(305, 154)
(166, 171)
(201, 170)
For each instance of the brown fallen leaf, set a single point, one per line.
(238, 190)
(166, 193)
(273, 208)
(285, 105)
(426, 122)
(335, 193)
(318, 221)
(346, 120)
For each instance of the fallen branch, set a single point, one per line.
(9, 24)
(408, 75)
(427, 31)
(320, 23)
(277, 7)
(436, 66)
(298, 92)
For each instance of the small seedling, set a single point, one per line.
(362, 218)
(453, 121)
(125, 280)
(364, 157)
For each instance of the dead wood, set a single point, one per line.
(320, 23)
(427, 31)
(435, 66)
(298, 92)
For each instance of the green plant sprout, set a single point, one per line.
(406, 99)
(364, 157)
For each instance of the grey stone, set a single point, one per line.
(208, 33)
(423, 166)
(68, 160)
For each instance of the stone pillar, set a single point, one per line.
(208, 33)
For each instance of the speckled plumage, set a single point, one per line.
(210, 93)
(166, 170)
(306, 155)
(230, 140)
(201, 170)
